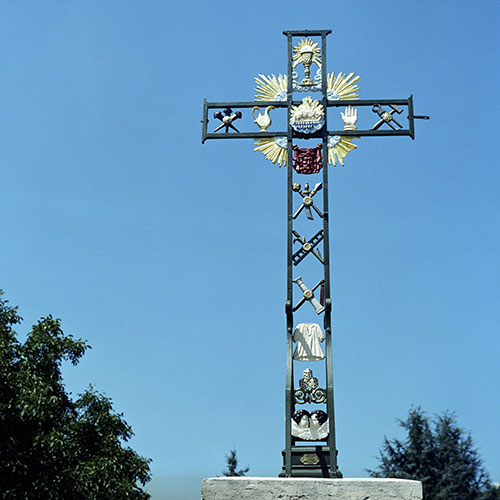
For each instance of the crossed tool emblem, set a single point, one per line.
(387, 116)
(309, 295)
(227, 119)
(307, 246)
(307, 199)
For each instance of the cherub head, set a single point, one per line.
(301, 418)
(318, 417)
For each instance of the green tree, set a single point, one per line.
(232, 465)
(496, 489)
(438, 453)
(53, 447)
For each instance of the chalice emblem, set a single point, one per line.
(306, 53)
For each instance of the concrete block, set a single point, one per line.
(260, 488)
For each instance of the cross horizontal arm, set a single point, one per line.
(307, 32)
(368, 102)
(283, 104)
(368, 133)
(317, 135)
(244, 104)
(387, 112)
(228, 107)
(244, 135)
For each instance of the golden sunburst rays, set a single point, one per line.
(306, 52)
(338, 147)
(270, 88)
(274, 149)
(343, 86)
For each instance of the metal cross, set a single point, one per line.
(306, 101)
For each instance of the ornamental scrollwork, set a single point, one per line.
(316, 396)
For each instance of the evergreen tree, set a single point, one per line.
(52, 447)
(438, 453)
(232, 465)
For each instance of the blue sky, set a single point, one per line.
(168, 256)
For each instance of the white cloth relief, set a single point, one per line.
(308, 337)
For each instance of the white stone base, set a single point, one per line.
(260, 488)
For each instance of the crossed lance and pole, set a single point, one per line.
(307, 204)
(309, 295)
(307, 247)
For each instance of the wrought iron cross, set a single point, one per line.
(307, 119)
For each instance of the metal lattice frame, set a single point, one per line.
(326, 466)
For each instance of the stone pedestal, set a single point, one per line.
(310, 461)
(259, 488)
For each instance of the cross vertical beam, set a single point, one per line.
(334, 472)
(289, 391)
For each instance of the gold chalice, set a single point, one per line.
(306, 57)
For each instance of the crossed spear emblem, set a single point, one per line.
(307, 200)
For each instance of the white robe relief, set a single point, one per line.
(308, 337)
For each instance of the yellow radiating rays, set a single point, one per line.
(306, 52)
(272, 150)
(270, 88)
(343, 86)
(338, 147)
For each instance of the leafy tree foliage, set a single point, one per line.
(438, 453)
(496, 489)
(53, 447)
(232, 465)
